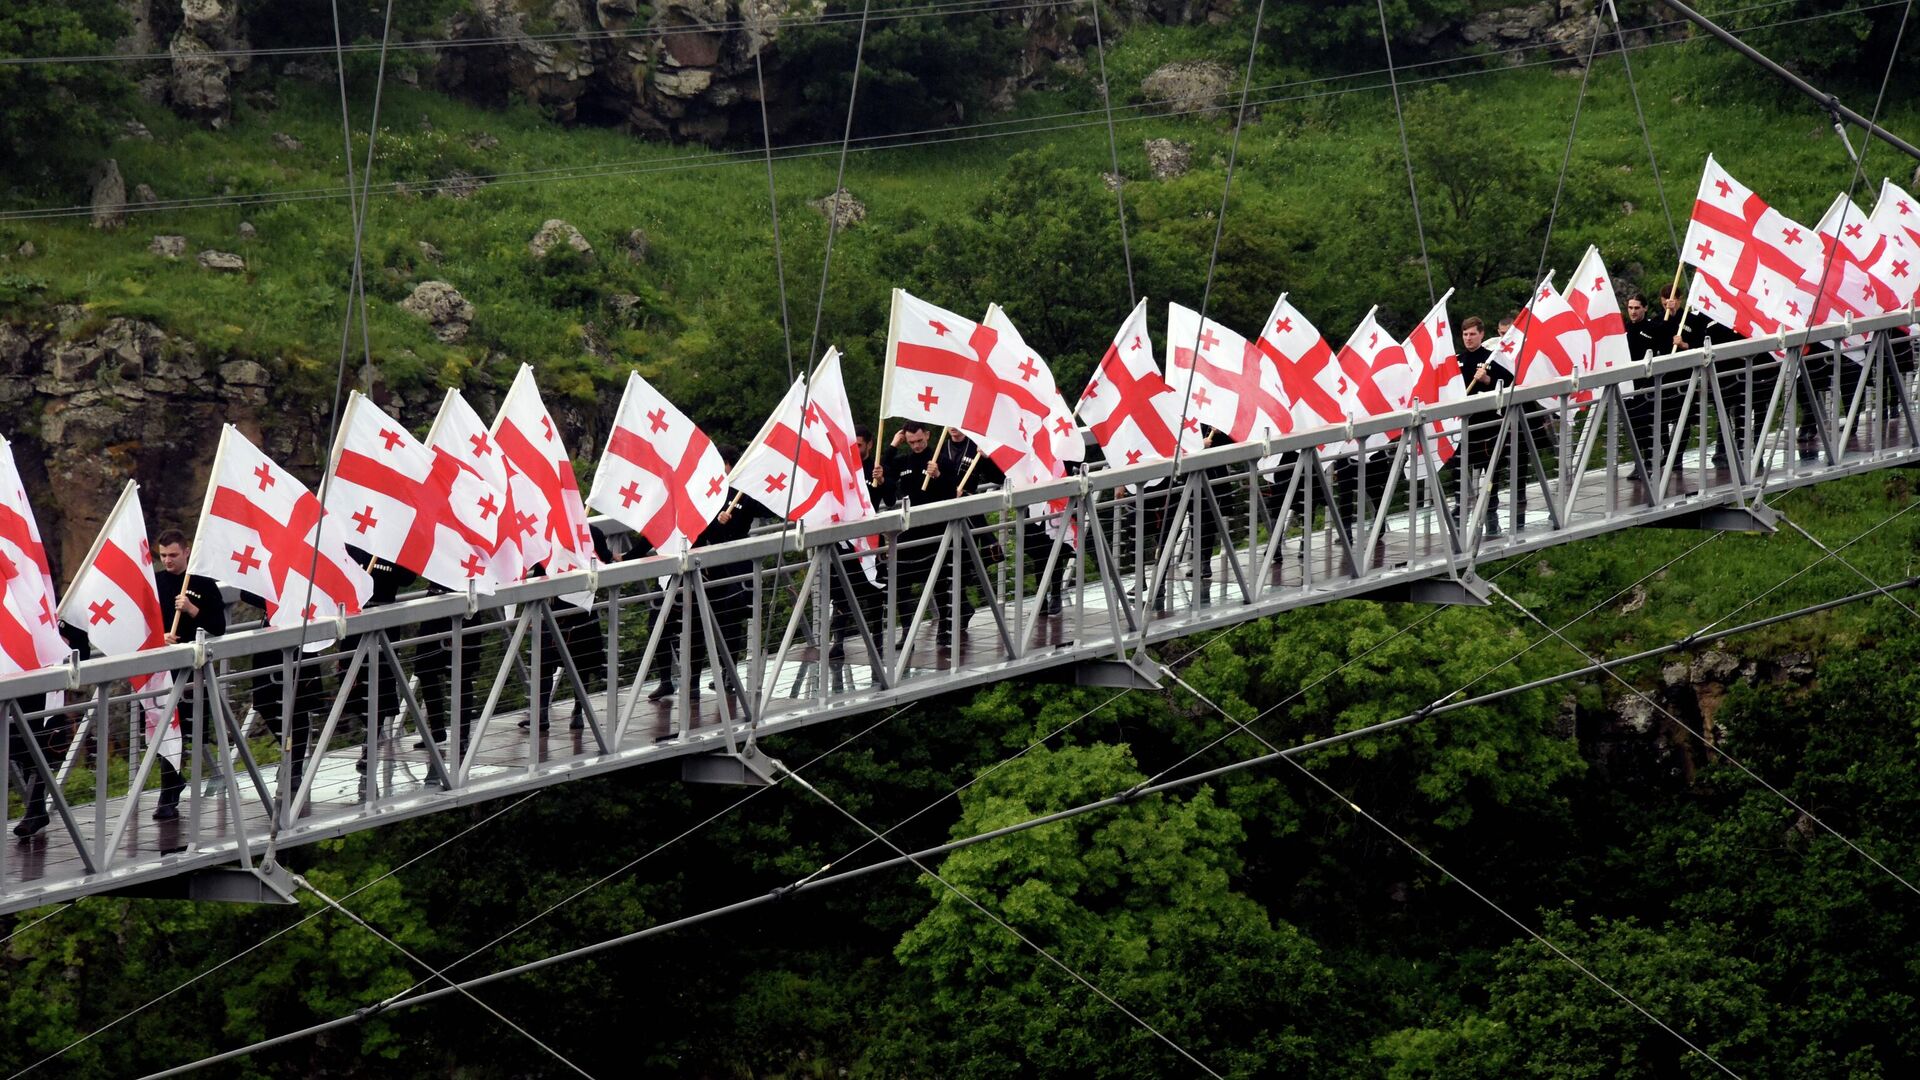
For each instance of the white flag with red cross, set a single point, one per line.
(1711, 298)
(1056, 442)
(1548, 340)
(1753, 249)
(1853, 278)
(1128, 405)
(546, 496)
(1312, 384)
(661, 475)
(458, 434)
(261, 531)
(113, 600)
(408, 504)
(936, 371)
(1226, 383)
(1436, 381)
(1591, 295)
(29, 631)
(1896, 215)
(1379, 379)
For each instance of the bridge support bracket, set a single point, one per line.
(1138, 672)
(1468, 590)
(269, 883)
(1753, 518)
(748, 768)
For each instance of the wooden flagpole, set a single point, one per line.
(924, 478)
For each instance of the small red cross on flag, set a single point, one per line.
(26, 585)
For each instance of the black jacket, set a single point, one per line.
(202, 592)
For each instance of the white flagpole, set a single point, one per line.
(886, 371)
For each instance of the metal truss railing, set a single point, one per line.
(444, 700)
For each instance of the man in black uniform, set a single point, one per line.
(195, 604)
(48, 732)
(911, 476)
(388, 580)
(1480, 373)
(870, 599)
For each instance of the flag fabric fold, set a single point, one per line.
(1752, 249)
(551, 517)
(1375, 376)
(1311, 382)
(1435, 364)
(458, 434)
(29, 631)
(1225, 382)
(1128, 405)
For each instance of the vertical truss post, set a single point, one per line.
(38, 760)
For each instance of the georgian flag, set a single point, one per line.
(546, 496)
(1713, 298)
(1311, 382)
(1379, 379)
(1548, 339)
(1056, 442)
(415, 507)
(1590, 293)
(29, 631)
(660, 476)
(1128, 405)
(1853, 283)
(114, 601)
(1897, 216)
(938, 372)
(458, 434)
(261, 531)
(1753, 249)
(1436, 380)
(1228, 387)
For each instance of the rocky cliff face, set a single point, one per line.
(93, 403)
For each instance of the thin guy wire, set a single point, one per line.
(1566, 161)
(1458, 880)
(951, 846)
(1213, 256)
(1646, 132)
(644, 167)
(1859, 160)
(1406, 154)
(363, 924)
(1113, 150)
(1795, 576)
(773, 205)
(1843, 561)
(628, 867)
(37, 921)
(1008, 927)
(1712, 745)
(357, 211)
(289, 928)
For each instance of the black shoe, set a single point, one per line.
(1051, 605)
(528, 723)
(664, 690)
(166, 813)
(838, 650)
(31, 824)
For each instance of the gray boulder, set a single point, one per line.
(169, 246)
(225, 262)
(1189, 86)
(109, 195)
(442, 306)
(556, 233)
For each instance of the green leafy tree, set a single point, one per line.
(1140, 900)
(55, 116)
(914, 72)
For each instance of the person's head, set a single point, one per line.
(1670, 298)
(916, 433)
(863, 440)
(1505, 325)
(956, 436)
(1472, 332)
(170, 547)
(1636, 308)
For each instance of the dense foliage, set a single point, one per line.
(55, 116)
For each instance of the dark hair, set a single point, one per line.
(862, 431)
(1636, 297)
(1668, 291)
(169, 537)
(729, 453)
(1472, 322)
(912, 426)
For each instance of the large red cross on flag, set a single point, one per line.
(1436, 380)
(1548, 339)
(949, 370)
(803, 466)
(261, 531)
(1312, 385)
(403, 502)
(1128, 405)
(1227, 384)
(661, 476)
(29, 634)
(1375, 367)
(1056, 440)
(1712, 298)
(540, 474)
(114, 602)
(1591, 294)
(458, 434)
(1754, 249)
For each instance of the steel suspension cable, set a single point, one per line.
(1045, 953)
(1139, 791)
(1646, 132)
(1462, 882)
(1711, 744)
(1566, 160)
(773, 207)
(1406, 153)
(1113, 151)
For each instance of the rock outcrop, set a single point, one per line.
(1168, 159)
(840, 208)
(1189, 87)
(556, 233)
(206, 52)
(442, 306)
(109, 193)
